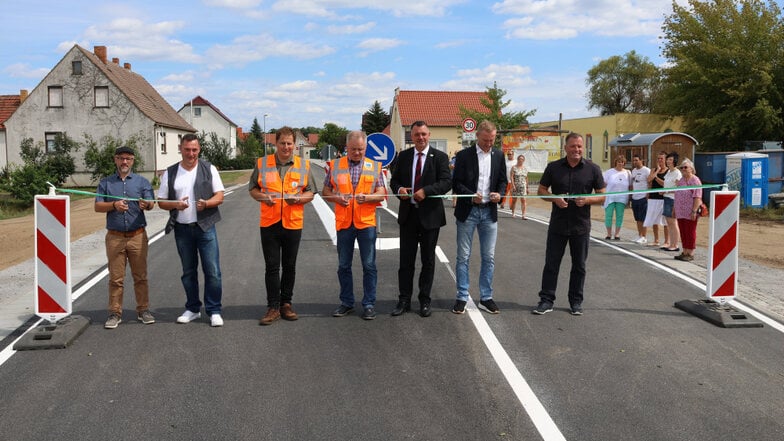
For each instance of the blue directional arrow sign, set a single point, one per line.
(380, 148)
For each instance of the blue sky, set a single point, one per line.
(308, 62)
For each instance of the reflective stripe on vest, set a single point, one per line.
(362, 215)
(295, 181)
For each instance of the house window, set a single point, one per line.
(163, 143)
(197, 111)
(606, 146)
(101, 96)
(438, 144)
(55, 96)
(50, 138)
(76, 67)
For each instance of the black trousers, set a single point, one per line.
(280, 247)
(556, 246)
(413, 235)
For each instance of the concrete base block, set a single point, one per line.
(724, 315)
(58, 335)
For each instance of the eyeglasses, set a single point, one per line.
(683, 167)
(123, 158)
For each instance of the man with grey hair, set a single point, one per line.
(356, 186)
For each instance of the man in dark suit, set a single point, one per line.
(479, 171)
(421, 171)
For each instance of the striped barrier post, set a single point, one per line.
(722, 283)
(722, 266)
(52, 257)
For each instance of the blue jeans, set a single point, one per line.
(479, 219)
(366, 238)
(193, 243)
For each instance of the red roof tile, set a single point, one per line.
(8, 105)
(437, 108)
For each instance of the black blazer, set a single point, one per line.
(436, 180)
(466, 180)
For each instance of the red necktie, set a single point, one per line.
(418, 173)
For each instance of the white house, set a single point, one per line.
(205, 117)
(85, 94)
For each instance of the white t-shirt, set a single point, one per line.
(670, 179)
(183, 186)
(616, 181)
(640, 181)
(509, 164)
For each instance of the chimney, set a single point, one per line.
(100, 52)
(127, 66)
(22, 95)
(116, 60)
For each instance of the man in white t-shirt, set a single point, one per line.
(193, 190)
(640, 175)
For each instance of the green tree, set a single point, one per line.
(255, 129)
(335, 135)
(40, 167)
(375, 120)
(216, 150)
(495, 104)
(726, 70)
(624, 84)
(100, 160)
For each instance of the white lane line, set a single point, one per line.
(699, 285)
(536, 411)
(327, 217)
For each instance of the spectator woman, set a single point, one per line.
(687, 203)
(670, 178)
(518, 177)
(618, 179)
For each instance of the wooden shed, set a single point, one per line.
(648, 146)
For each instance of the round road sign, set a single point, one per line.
(469, 125)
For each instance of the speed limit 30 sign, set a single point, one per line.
(469, 125)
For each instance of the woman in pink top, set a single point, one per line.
(685, 209)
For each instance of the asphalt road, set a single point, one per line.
(632, 368)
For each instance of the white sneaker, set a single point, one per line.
(216, 320)
(188, 316)
(641, 241)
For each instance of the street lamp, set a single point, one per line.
(264, 136)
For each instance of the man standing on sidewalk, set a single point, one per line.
(420, 217)
(283, 184)
(355, 184)
(122, 197)
(640, 175)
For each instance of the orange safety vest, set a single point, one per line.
(362, 215)
(295, 181)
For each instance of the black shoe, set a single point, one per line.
(369, 313)
(543, 308)
(489, 306)
(402, 306)
(459, 307)
(342, 310)
(576, 309)
(424, 310)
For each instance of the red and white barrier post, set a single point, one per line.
(723, 233)
(52, 257)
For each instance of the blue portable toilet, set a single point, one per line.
(747, 172)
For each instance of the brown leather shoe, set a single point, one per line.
(271, 315)
(287, 312)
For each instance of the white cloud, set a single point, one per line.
(399, 8)
(560, 19)
(181, 77)
(22, 70)
(133, 39)
(234, 4)
(378, 44)
(506, 75)
(351, 29)
(448, 44)
(251, 48)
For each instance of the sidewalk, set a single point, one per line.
(758, 286)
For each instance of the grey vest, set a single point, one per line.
(202, 190)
